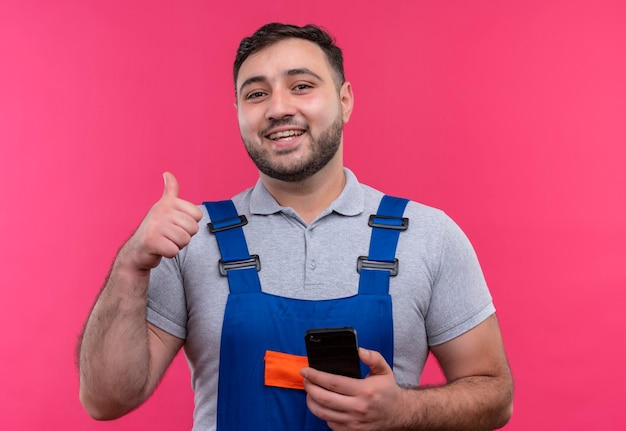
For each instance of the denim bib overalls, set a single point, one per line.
(263, 334)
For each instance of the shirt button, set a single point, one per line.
(312, 265)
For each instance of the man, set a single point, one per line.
(302, 234)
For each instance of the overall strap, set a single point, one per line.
(236, 262)
(381, 263)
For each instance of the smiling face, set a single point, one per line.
(290, 110)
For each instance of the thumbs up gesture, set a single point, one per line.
(165, 230)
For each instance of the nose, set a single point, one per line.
(281, 105)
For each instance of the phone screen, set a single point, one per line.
(334, 350)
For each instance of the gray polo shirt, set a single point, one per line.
(439, 293)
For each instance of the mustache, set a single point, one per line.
(280, 123)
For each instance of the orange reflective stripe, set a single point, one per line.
(283, 370)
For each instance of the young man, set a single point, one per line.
(296, 252)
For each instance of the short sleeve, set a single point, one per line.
(167, 307)
(460, 296)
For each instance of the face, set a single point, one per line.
(290, 112)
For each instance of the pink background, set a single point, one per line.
(509, 115)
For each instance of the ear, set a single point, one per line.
(347, 100)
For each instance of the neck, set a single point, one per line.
(311, 196)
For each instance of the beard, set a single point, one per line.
(322, 149)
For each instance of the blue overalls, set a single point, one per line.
(257, 325)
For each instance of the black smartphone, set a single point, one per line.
(334, 350)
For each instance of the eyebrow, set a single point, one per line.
(290, 72)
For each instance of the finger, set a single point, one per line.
(187, 219)
(375, 361)
(190, 210)
(334, 383)
(170, 187)
(177, 237)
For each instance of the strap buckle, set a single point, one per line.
(388, 222)
(229, 223)
(364, 262)
(253, 262)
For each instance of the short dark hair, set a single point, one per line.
(275, 32)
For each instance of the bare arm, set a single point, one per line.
(478, 394)
(121, 356)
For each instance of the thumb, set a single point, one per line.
(170, 187)
(375, 361)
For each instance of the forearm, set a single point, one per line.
(121, 357)
(114, 358)
(477, 403)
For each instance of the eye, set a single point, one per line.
(302, 87)
(255, 95)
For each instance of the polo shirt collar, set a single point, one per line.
(350, 202)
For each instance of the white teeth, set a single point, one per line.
(285, 134)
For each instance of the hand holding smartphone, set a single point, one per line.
(334, 350)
